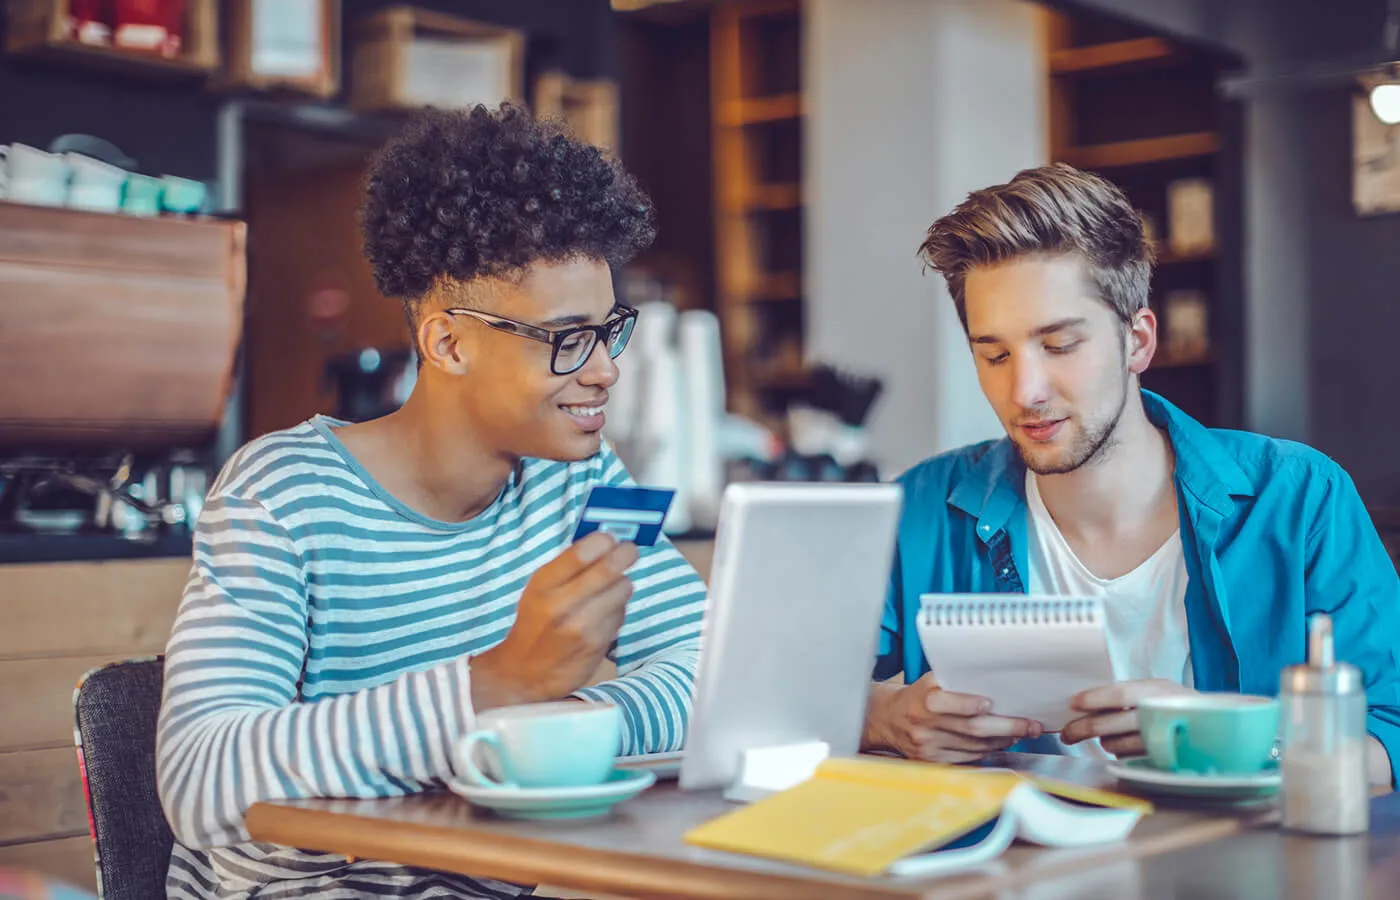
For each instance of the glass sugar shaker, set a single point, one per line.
(1322, 713)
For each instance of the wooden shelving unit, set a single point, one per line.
(1143, 151)
(776, 286)
(774, 196)
(753, 110)
(36, 29)
(1141, 109)
(756, 99)
(1100, 58)
(589, 106)
(712, 123)
(1167, 257)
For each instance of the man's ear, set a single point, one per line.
(440, 345)
(1141, 340)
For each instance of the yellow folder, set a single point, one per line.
(863, 815)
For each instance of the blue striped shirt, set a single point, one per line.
(322, 650)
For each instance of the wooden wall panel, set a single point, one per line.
(36, 700)
(79, 609)
(66, 859)
(41, 795)
(57, 621)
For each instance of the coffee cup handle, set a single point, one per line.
(471, 772)
(1161, 743)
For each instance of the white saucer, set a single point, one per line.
(557, 803)
(1139, 773)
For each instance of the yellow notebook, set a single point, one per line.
(868, 816)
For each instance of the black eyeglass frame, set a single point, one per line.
(606, 333)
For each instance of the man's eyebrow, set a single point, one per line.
(1061, 325)
(1042, 331)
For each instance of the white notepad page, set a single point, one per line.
(1027, 654)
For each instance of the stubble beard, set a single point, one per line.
(1093, 445)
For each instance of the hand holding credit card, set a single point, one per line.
(633, 514)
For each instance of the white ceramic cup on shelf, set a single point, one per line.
(96, 185)
(33, 176)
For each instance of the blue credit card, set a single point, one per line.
(627, 513)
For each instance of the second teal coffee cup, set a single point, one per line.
(541, 745)
(1209, 733)
(141, 196)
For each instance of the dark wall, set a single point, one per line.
(1355, 314)
(170, 127)
(1321, 282)
(166, 128)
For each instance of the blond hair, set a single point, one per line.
(1053, 210)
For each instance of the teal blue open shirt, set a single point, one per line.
(1273, 531)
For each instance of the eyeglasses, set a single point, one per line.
(571, 347)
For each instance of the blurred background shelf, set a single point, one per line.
(713, 124)
(757, 110)
(1165, 360)
(756, 80)
(1142, 110)
(774, 197)
(39, 30)
(1147, 150)
(1168, 257)
(1112, 56)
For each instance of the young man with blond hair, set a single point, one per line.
(1210, 548)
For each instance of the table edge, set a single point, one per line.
(532, 861)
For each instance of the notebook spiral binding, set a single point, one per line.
(1001, 611)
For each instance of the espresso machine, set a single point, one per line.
(120, 495)
(118, 336)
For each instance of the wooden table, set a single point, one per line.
(638, 850)
(1259, 863)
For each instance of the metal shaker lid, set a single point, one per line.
(1321, 674)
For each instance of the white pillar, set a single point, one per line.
(910, 105)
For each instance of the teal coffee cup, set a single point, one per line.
(141, 196)
(181, 195)
(1209, 734)
(541, 745)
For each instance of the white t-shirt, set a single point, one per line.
(1144, 610)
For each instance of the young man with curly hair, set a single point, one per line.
(360, 591)
(1210, 548)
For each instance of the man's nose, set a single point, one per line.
(1030, 382)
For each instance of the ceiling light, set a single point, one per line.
(1385, 102)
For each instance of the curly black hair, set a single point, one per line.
(487, 192)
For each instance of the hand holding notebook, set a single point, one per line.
(1028, 655)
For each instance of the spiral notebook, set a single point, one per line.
(1027, 654)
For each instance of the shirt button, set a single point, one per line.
(986, 528)
(1005, 572)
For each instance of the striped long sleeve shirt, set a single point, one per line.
(322, 649)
